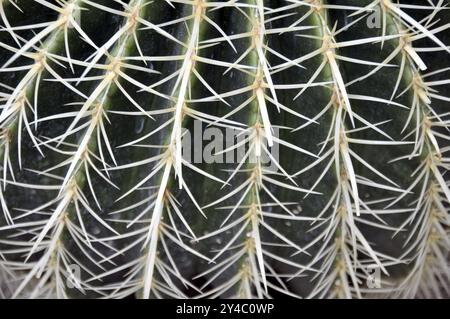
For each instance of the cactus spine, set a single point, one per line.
(249, 149)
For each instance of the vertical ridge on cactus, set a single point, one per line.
(224, 149)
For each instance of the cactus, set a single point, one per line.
(224, 149)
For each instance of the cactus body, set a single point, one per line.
(233, 149)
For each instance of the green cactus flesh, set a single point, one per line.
(232, 149)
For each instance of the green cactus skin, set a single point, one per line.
(115, 182)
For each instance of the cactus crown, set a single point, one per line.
(239, 148)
